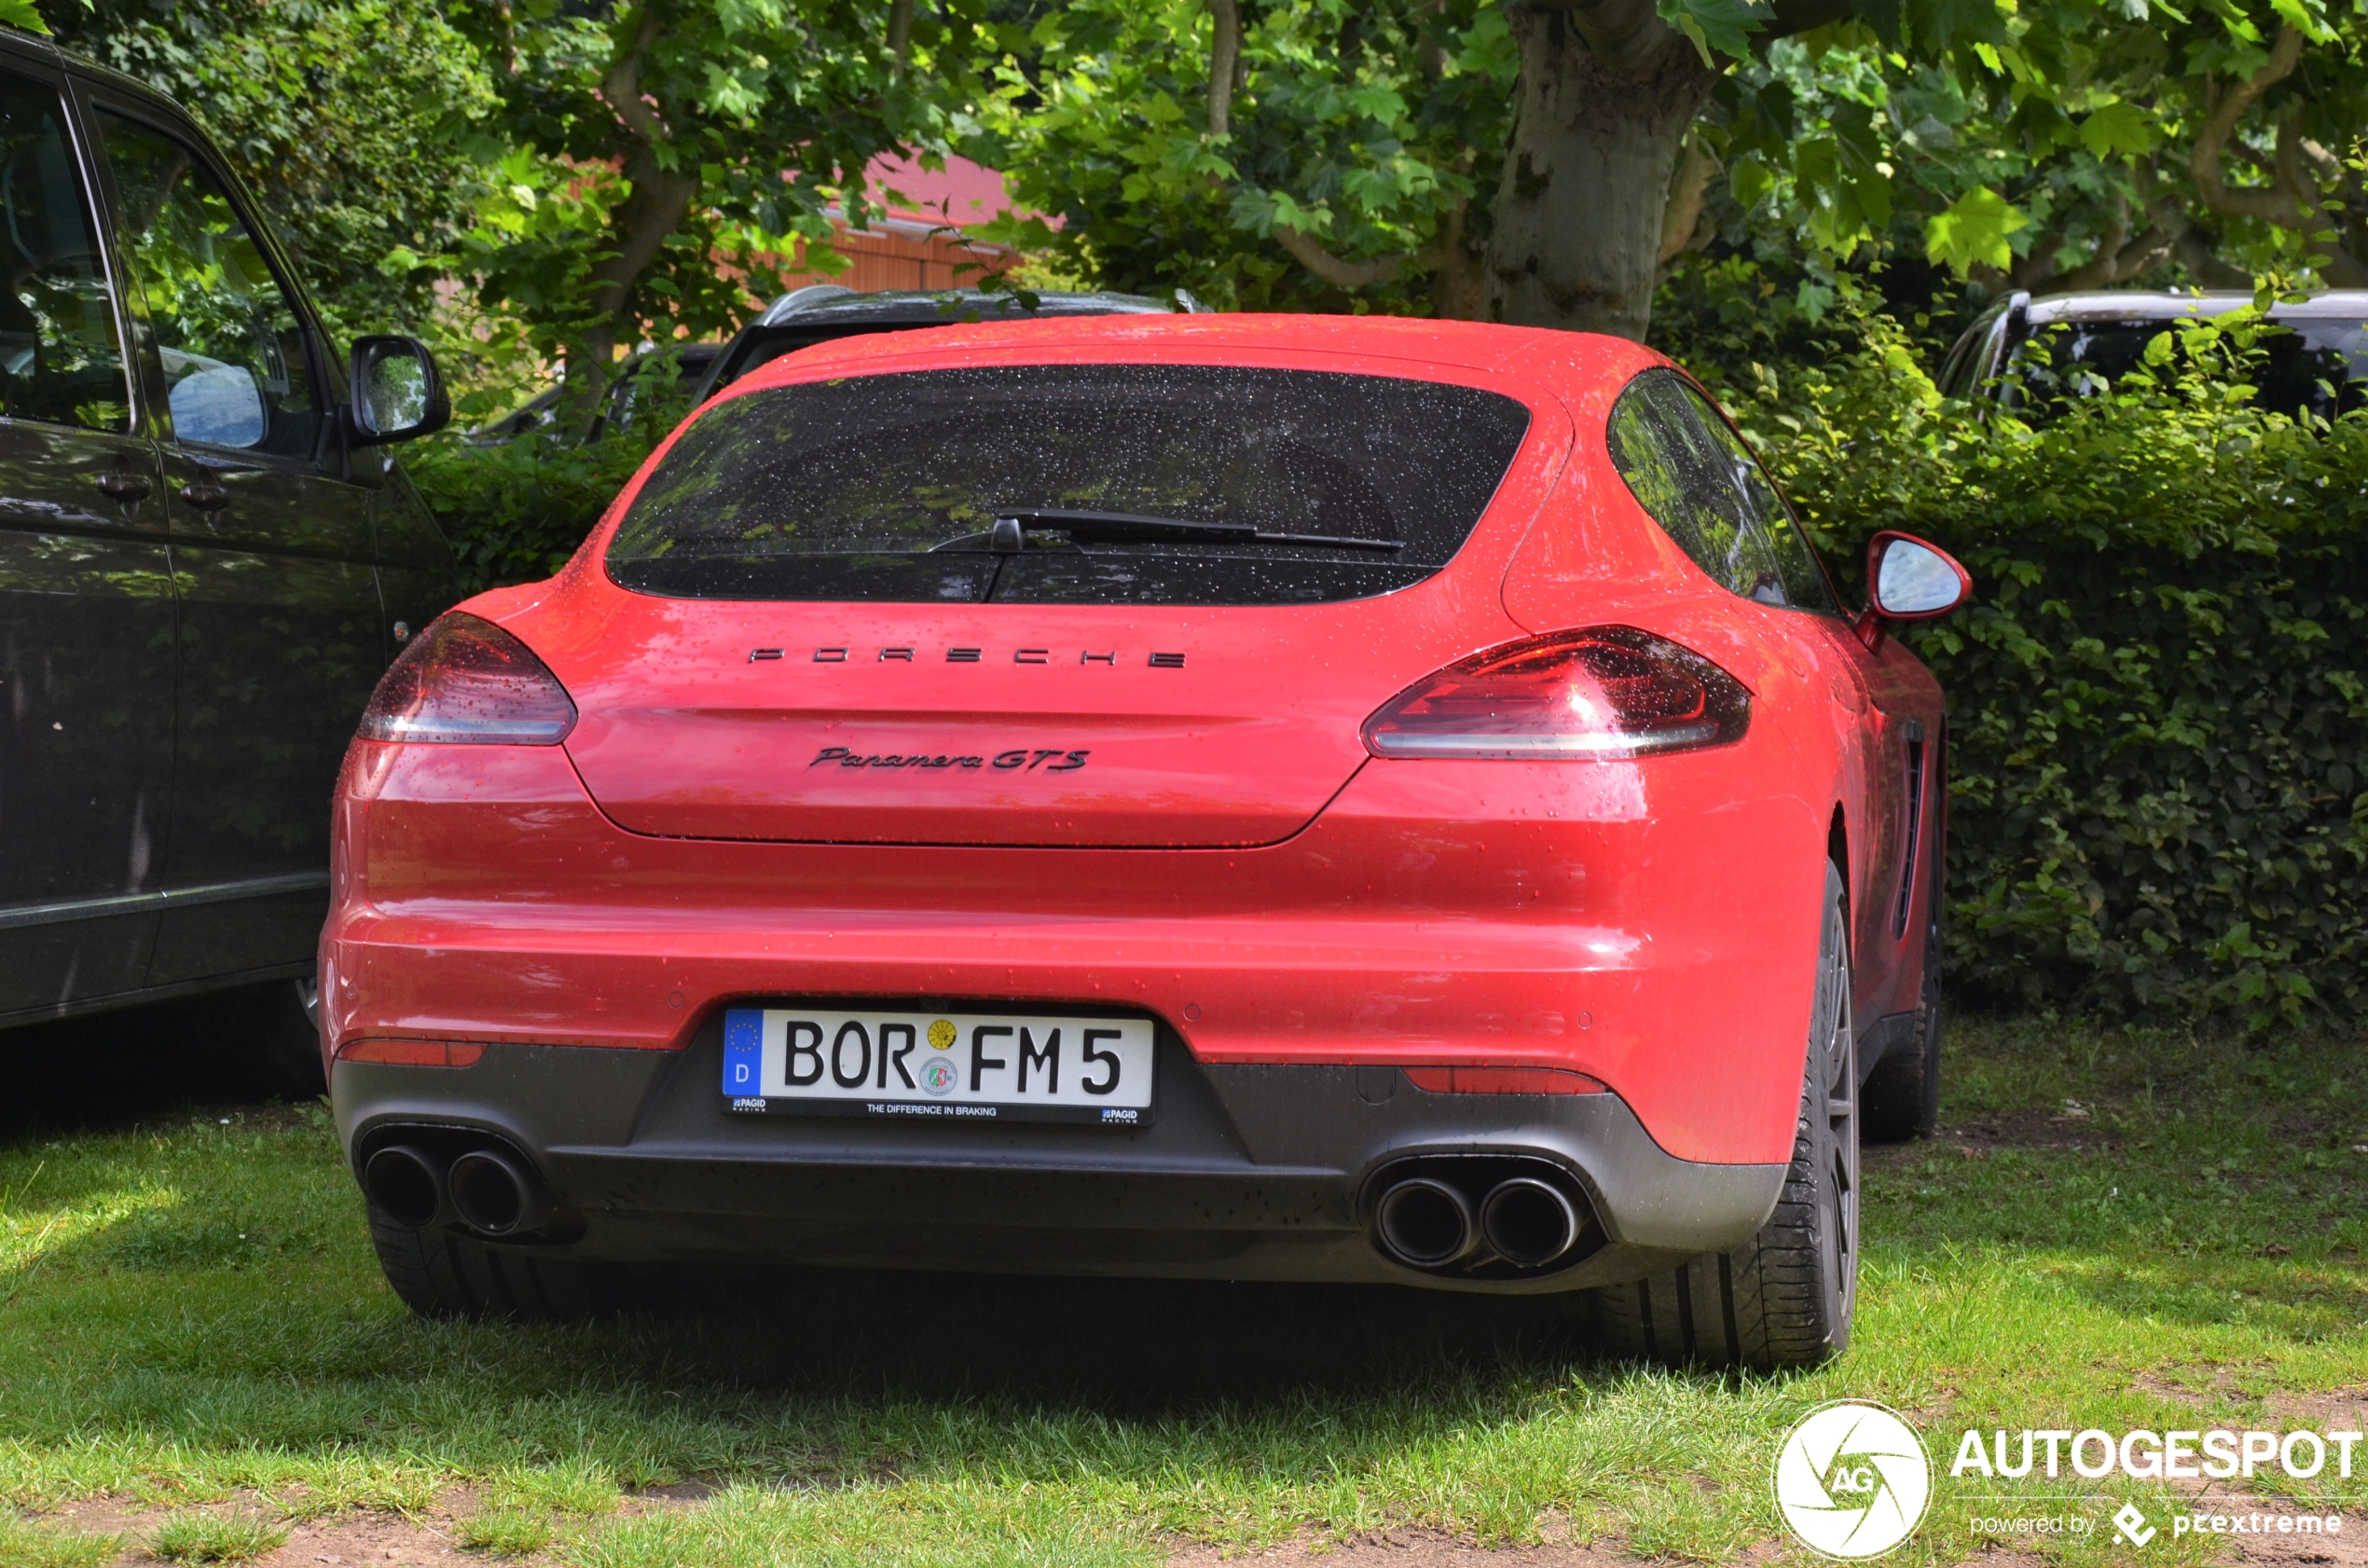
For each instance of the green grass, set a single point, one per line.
(505, 1532)
(190, 1312)
(207, 1537)
(25, 1545)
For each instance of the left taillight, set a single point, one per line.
(465, 682)
(1604, 693)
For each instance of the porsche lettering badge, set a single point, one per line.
(1025, 760)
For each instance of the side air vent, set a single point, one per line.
(1915, 728)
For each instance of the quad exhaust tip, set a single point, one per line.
(489, 1190)
(404, 1184)
(1528, 1222)
(494, 1196)
(1423, 1223)
(1484, 1216)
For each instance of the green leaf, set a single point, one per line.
(1377, 100)
(1750, 181)
(24, 13)
(1724, 26)
(2118, 128)
(1973, 230)
(2309, 17)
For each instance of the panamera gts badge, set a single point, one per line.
(1025, 760)
(1106, 657)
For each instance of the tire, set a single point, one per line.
(1784, 1297)
(438, 1274)
(1902, 1097)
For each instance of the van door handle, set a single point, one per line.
(123, 487)
(206, 498)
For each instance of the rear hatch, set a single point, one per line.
(1106, 605)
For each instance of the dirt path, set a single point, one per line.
(365, 1539)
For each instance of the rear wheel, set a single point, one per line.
(1784, 1297)
(442, 1275)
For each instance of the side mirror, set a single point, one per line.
(1908, 580)
(396, 394)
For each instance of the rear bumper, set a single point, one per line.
(1248, 1172)
(1647, 930)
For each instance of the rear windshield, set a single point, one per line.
(891, 487)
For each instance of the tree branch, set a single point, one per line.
(900, 35)
(1224, 58)
(621, 87)
(2194, 252)
(2118, 257)
(509, 37)
(2287, 202)
(1459, 287)
(1309, 253)
(1431, 56)
(659, 198)
(1688, 199)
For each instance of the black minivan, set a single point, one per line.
(207, 558)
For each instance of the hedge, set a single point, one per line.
(2157, 698)
(515, 512)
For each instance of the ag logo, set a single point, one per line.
(1852, 1479)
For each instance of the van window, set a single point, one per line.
(2319, 362)
(233, 349)
(59, 359)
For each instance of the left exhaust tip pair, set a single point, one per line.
(485, 1189)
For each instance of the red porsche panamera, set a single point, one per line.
(1256, 798)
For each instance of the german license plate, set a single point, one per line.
(931, 1065)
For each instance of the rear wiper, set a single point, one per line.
(1011, 528)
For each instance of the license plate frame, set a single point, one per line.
(939, 1067)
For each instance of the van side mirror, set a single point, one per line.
(396, 393)
(1908, 580)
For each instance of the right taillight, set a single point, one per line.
(1603, 694)
(464, 682)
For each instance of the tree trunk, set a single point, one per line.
(1608, 93)
(639, 229)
